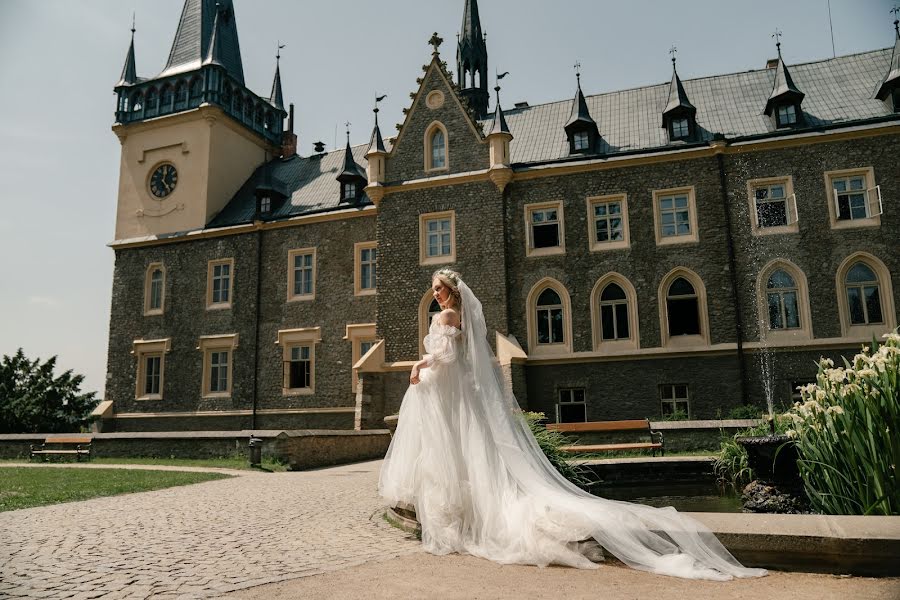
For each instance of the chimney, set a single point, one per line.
(771, 63)
(288, 138)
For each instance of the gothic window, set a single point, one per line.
(863, 295)
(549, 318)
(682, 308)
(438, 150)
(167, 99)
(433, 309)
(154, 285)
(152, 102)
(613, 313)
(196, 91)
(782, 301)
(181, 96)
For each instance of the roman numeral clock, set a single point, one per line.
(163, 180)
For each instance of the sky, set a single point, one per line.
(59, 60)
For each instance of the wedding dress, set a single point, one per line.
(466, 459)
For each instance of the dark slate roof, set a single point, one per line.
(499, 123)
(129, 71)
(580, 112)
(310, 182)
(376, 142)
(678, 98)
(783, 87)
(470, 34)
(838, 91)
(276, 98)
(192, 39)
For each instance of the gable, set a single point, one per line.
(436, 104)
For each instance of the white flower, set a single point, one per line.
(826, 363)
(820, 395)
(836, 375)
(867, 373)
(792, 433)
(835, 409)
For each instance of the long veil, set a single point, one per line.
(658, 540)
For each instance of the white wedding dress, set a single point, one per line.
(465, 458)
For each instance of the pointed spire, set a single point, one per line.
(892, 80)
(580, 112)
(276, 98)
(499, 125)
(678, 98)
(194, 44)
(784, 88)
(376, 143)
(129, 71)
(472, 58)
(351, 169)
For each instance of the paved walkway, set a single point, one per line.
(199, 541)
(276, 529)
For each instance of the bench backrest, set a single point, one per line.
(68, 440)
(592, 426)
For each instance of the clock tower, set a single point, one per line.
(194, 133)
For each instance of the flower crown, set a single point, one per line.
(450, 274)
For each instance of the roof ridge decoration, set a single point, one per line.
(580, 122)
(129, 71)
(207, 33)
(784, 88)
(678, 100)
(499, 124)
(276, 98)
(892, 79)
(376, 142)
(580, 112)
(351, 167)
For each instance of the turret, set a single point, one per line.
(499, 138)
(375, 156)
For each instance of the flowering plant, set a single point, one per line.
(845, 428)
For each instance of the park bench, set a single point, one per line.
(608, 427)
(63, 446)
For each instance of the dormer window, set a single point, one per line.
(581, 141)
(349, 191)
(681, 128)
(265, 205)
(786, 115)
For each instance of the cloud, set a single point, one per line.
(43, 301)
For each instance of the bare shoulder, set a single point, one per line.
(450, 317)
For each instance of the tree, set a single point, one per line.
(32, 400)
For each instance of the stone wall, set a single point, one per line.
(312, 449)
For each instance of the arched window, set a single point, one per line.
(550, 318)
(167, 99)
(613, 314)
(683, 316)
(436, 147)
(152, 102)
(782, 302)
(863, 295)
(137, 102)
(181, 96)
(428, 307)
(155, 289)
(196, 91)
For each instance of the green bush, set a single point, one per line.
(550, 443)
(846, 433)
(731, 464)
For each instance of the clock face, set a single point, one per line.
(163, 180)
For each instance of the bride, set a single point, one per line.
(465, 458)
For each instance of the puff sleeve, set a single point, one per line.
(441, 345)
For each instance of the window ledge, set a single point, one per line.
(777, 230)
(153, 313)
(217, 395)
(297, 392)
(219, 306)
(437, 170)
(678, 239)
(607, 246)
(365, 292)
(856, 223)
(302, 298)
(687, 341)
(438, 260)
(616, 346)
(552, 251)
(150, 397)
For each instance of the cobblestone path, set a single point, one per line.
(201, 540)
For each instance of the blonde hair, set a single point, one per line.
(450, 279)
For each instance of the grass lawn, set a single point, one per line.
(23, 487)
(233, 462)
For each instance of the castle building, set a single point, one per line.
(675, 249)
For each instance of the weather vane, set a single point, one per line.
(673, 50)
(777, 36)
(577, 67)
(278, 51)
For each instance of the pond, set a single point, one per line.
(704, 495)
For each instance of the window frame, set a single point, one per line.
(148, 290)
(565, 347)
(210, 270)
(618, 345)
(358, 289)
(357, 334)
(441, 259)
(291, 279)
(217, 343)
(868, 173)
(430, 131)
(142, 350)
(795, 112)
(687, 122)
(560, 248)
(593, 244)
(293, 338)
(682, 341)
(572, 402)
(694, 236)
(865, 332)
(805, 331)
(675, 400)
(790, 204)
(581, 136)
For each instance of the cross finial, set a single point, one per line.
(673, 50)
(777, 36)
(577, 67)
(347, 125)
(132, 23)
(435, 41)
(896, 11)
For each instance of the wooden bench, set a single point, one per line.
(610, 426)
(63, 446)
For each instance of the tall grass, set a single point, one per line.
(846, 430)
(550, 443)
